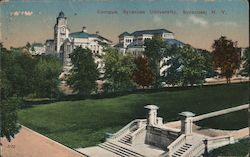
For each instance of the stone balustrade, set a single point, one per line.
(221, 112)
(176, 144)
(196, 150)
(129, 127)
(137, 133)
(216, 142)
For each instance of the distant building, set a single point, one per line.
(37, 49)
(133, 43)
(65, 42)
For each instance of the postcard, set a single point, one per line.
(116, 78)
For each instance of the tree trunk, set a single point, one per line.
(228, 80)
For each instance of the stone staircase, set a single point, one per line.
(119, 149)
(179, 152)
(126, 139)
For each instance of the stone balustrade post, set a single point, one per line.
(152, 115)
(159, 121)
(186, 122)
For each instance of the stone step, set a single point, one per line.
(127, 143)
(121, 151)
(126, 139)
(126, 148)
(175, 155)
(181, 150)
(103, 146)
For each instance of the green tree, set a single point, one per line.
(155, 50)
(226, 57)
(47, 70)
(8, 110)
(210, 72)
(186, 66)
(118, 70)
(142, 75)
(173, 74)
(84, 73)
(21, 71)
(246, 61)
(8, 102)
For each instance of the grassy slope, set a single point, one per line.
(83, 123)
(240, 148)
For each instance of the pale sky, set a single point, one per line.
(31, 21)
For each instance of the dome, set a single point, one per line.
(61, 14)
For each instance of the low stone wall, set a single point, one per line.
(160, 137)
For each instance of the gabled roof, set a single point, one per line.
(124, 34)
(80, 35)
(101, 37)
(87, 35)
(153, 32)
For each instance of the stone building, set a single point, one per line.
(133, 43)
(37, 49)
(65, 42)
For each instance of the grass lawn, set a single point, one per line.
(240, 148)
(83, 123)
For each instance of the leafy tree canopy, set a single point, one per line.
(47, 72)
(226, 57)
(143, 75)
(118, 70)
(155, 50)
(84, 72)
(186, 66)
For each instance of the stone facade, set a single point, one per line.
(65, 42)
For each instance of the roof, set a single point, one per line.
(49, 40)
(153, 31)
(80, 35)
(61, 14)
(124, 34)
(38, 44)
(174, 42)
(101, 37)
(87, 35)
(119, 45)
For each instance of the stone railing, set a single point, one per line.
(216, 142)
(137, 132)
(181, 140)
(129, 127)
(221, 112)
(196, 150)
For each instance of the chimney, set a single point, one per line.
(84, 29)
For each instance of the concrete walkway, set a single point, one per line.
(29, 143)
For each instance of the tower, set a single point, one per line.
(61, 31)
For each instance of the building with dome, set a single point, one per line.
(65, 42)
